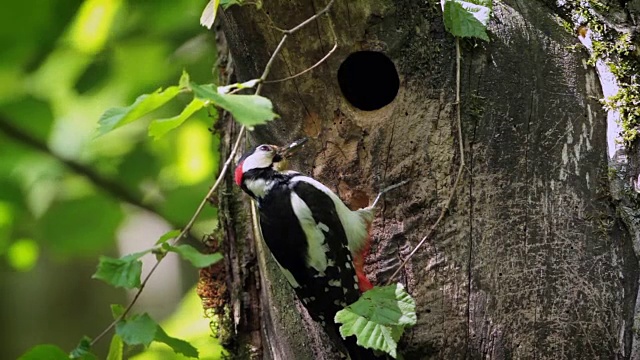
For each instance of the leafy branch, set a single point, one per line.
(248, 110)
(378, 318)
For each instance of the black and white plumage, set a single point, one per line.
(313, 236)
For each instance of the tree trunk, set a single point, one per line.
(531, 260)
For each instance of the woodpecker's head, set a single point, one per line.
(257, 167)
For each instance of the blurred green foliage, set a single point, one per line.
(66, 63)
(63, 191)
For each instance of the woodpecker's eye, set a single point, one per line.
(264, 148)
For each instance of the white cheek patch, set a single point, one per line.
(257, 160)
(317, 247)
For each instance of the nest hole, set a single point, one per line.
(368, 80)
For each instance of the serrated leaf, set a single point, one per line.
(142, 330)
(116, 117)
(179, 346)
(160, 127)
(386, 305)
(83, 350)
(137, 330)
(116, 348)
(467, 18)
(45, 352)
(248, 110)
(378, 318)
(195, 257)
(368, 334)
(209, 13)
(123, 272)
(168, 236)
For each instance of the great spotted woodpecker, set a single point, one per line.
(318, 242)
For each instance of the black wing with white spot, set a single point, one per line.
(323, 292)
(343, 283)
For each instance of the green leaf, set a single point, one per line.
(116, 117)
(196, 258)
(168, 236)
(137, 330)
(142, 330)
(227, 3)
(160, 127)
(124, 272)
(378, 318)
(387, 305)
(83, 350)
(370, 335)
(45, 352)
(209, 13)
(467, 18)
(116, 310)
(116, 348)
(179, 346)
(248, 110)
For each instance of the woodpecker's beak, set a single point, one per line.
(287, 151)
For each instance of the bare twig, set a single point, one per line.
(335, 46)
(220, 177)
(304, 23)
(386, 190)
(443, 212)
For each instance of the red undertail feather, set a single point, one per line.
(238, 174)
(358, 262)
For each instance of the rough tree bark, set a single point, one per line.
(532, 260)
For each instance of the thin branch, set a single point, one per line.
(335, 46)
(304, 23)
(443, 212)
(220, 177)
(267, 67)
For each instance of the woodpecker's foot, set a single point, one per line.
(386, 190)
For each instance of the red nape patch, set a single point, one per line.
(238, 174)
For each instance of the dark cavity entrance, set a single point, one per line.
(368, 80)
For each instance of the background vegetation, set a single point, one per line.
(67, 197)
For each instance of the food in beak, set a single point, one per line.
(289, 150)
